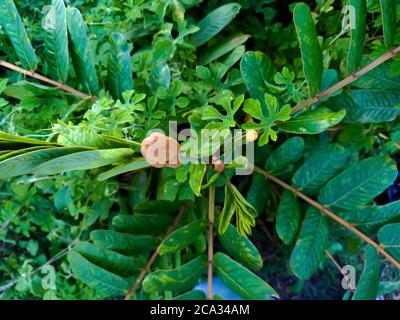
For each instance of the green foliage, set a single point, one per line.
(119, 66)
(319, 168)
(357, 34)
(242, 280)
(82, 56)
(241, 248)
(288, 218)
(367, 287)
(176, 280)
(310, 49)
(214, 22)
(359, 184)
(15, 29)
(56, 40)
(287, 153)
(310, 245)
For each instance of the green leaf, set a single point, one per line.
(192, 295)
(142, 223)
(357, 34)
(10, 154)
(288, 219)
(359, 184)
(222, 48)
(182, 237)
(83, 160)
(25, 163)
(319, 168)
(15, 30)
(124, 243)
(241, 248)
(235, 203)
(367, 286)
(372, 216)
(109, 260)
(258, 193)
(311, 244)
(120, 76)
(257, 69)
(82, 56)
(227, 211)
(105, 282)
(286, 154)
(176, 280)
(134, 165)
(196, 176)
(388, 8)
(389, 238)
(268, 115)
(241, 280)
(313, 122)
(369, 105)
(311, 53)
(13, 138)
(56, 40)
(379, 78)
(155, 206)
(214, 22)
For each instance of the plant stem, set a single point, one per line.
(356, 75)
(47, 80)
(330, 214)
(337, 265)
(155, 253)
(211, 210)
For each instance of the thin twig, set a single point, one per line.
(211, 211)
(324, 209)
(385, 137)
(356, 75)
(153, 257)
(337, 265)
(47, 80)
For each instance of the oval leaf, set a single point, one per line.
(176, 280)
(311, 53)
(319, 168)
(313, 122)
(288, 219)
(359, 184)
(311, 244)
(82, 56)
(15, 30)
(241, 280)
(241, 248)
(214, 22)
(56, 40)
(83, 160)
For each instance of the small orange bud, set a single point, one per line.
(219, 166)
(251, 135)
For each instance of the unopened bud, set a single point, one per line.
(251, 135)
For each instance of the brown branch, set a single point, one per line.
(337, 265)
(325, 210)
(38, 76)
(356, 75)
(385, 137)
(211, 210)
(153, 257)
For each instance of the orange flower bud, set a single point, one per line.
(251, 135)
